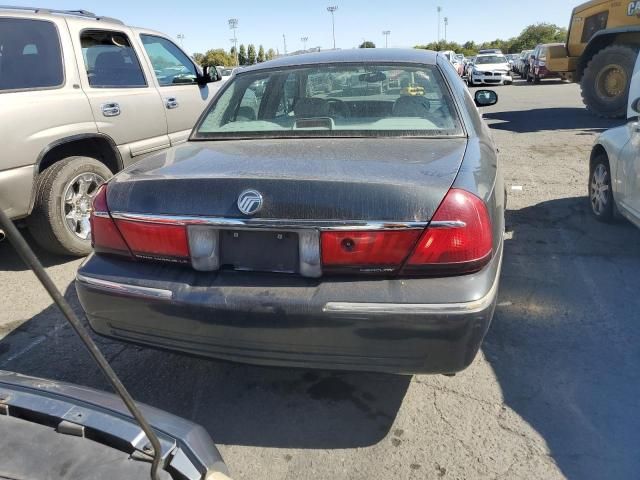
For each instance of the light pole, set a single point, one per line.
(332, 10)
(439, 10)
(233, 24)
(446, 22)
(284, 40)
(180, 37)
(386, 34)
(304, 42)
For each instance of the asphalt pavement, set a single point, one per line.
(554, 392)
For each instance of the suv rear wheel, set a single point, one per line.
(59, 221)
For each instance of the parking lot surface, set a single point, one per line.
(554, 392)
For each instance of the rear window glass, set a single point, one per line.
(334, 100)
(30, 54)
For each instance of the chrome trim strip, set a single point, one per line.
(462, 308)
(101, 214)
(270, 222)
(125, 288)
(447, 224)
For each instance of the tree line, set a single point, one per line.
(246, 56)
(527, 40)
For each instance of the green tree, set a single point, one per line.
(198, 58)
(538, 33)
(251, 54)
(271, 54)
(217, 56)
(242, 55)
(367, 44)
(260, 54)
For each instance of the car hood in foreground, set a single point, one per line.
(390, 179)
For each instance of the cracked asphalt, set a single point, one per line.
(554, 392)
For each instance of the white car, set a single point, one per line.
(614, 173)
(490, 69)
(225, 73)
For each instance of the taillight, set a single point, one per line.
(105, 237)
(459, 238)
(159, 241)
(372, 252)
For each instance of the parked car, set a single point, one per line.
(614, 173)
(469, 66)
(491, 69)
(83, 97)
(522, 62)
(225, 73)
(317, 235)
(539, 69)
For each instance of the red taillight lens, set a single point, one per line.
(155, 240)
(377, 252)
(144, 240)
(459, 238)
(105, 237)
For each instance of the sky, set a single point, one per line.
(205, 24)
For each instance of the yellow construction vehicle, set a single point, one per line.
(601, 50)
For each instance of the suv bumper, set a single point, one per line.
(16, 187)
(408, 325)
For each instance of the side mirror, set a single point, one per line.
(635, 105)
(485, 98)
(208, 77)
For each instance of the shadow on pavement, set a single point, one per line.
(565, 340)
(10, 261)
(237, 404)
(542, 119)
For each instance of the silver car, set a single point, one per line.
(614, 174)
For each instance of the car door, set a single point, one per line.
(126, 105)
(630, 154)
(176, 76)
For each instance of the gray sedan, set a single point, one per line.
(358, 226)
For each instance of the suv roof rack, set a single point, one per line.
(75, 13)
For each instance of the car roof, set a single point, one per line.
(356, 55)
(492, 54)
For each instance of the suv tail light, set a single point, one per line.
(158, 241)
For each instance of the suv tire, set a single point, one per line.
(47, 222)
(594, 94)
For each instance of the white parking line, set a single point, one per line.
(30, 346)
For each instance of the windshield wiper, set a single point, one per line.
(27, 255)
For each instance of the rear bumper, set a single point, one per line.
(433, 325)
(16, 187)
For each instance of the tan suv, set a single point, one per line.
(82, 97)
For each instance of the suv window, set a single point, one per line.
(110, 60)
(170, 64)
(30, 54)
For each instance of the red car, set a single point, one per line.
(538, 62)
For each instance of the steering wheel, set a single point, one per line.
(338, 108)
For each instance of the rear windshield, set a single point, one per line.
(333, 100)
(29, 54)
(491, 59)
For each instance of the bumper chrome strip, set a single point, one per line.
(270, 222)
(462, 308)
(125, 288)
